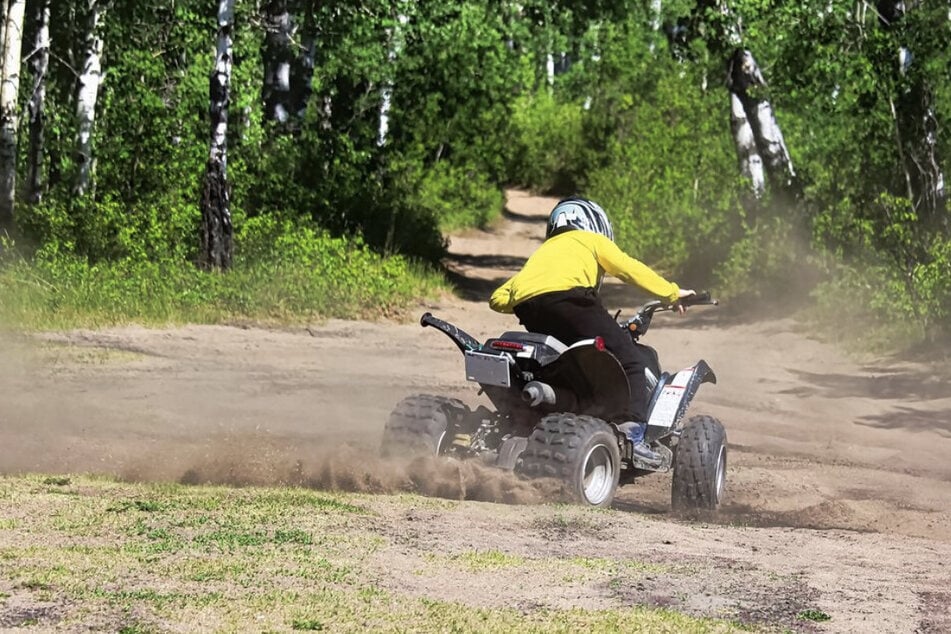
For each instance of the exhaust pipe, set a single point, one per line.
(535, 393)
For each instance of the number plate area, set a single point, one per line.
(668, 405)
(488, 369)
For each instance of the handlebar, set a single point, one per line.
(699, 299)
(640, 322)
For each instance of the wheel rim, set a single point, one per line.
(598, 475)
(720, 475)
(439, 442)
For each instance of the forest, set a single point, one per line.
(180, 160)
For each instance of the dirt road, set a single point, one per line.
(839, 485)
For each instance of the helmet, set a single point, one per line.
(579, 213)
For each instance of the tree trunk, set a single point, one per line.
(5, 7)
(916, 128)
(395, 39)
(40, 65)
(302, 73)
(88, 94)
(216, 247)
(278, 56)
(9, 88)
(759, 140)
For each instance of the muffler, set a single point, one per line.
(536, 393)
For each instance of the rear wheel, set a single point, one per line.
(419, 425)
(581, 451)
(699, 476)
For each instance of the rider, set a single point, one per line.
(556, 293)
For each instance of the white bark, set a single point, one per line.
(751, 163)
(656, 7)
(277, 63)
(759, 140)
(395, 38)
(40, 65)
(9, 89)
(88, 94)
(215, 201)
(220, 85)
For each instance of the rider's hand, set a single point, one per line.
(684, 292)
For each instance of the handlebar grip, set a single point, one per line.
(702, 297)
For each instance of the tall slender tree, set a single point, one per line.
(88, 94)
(39, 65)
(217, 230)
(395, 46)
(278, 58)
(758, 138)
(9, 89)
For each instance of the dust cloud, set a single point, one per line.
(260, 461)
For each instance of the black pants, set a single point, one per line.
(577, 314)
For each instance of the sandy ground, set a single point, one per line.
(839, 485)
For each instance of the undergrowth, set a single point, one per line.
(282, 274)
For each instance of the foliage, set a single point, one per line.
(286, 271)
(551, 155)
(631, 118)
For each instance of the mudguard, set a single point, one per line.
(463, 340)
(672, 398)
(594, 375)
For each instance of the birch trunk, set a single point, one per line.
(40, 66)
(87, 96)
(303, 71)
(5, 7)
(215, 204)
(9, 88)
(277, 61)
(395, 38)
(759, 140)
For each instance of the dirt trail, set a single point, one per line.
(839, 485)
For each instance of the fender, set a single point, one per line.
(670, 401)
(594, 375)
(463, 340)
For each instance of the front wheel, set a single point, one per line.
(581, 451)
(699, 465)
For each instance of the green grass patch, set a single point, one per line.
(143, 557)
(282, 274)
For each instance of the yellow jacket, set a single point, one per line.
(577, 259)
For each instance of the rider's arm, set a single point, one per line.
(627, 269)
(502, 300)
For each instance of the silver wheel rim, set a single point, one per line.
(439, 441)
(597, 475)
(720, 475)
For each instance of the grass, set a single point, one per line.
(79, 552)
(317, 277)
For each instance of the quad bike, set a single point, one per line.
(554, 415)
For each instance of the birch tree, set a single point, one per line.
(216, 237)
(302, 73)
(39, 64)
(395, 46)
(9, 88)
(90, 80)
(278, 56)
(759, 141)
(916, 124)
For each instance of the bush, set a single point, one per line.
(457, 197)
(285, 272)
(550, 154)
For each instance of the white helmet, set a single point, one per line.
(579, 213)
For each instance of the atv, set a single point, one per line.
(552, 417)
